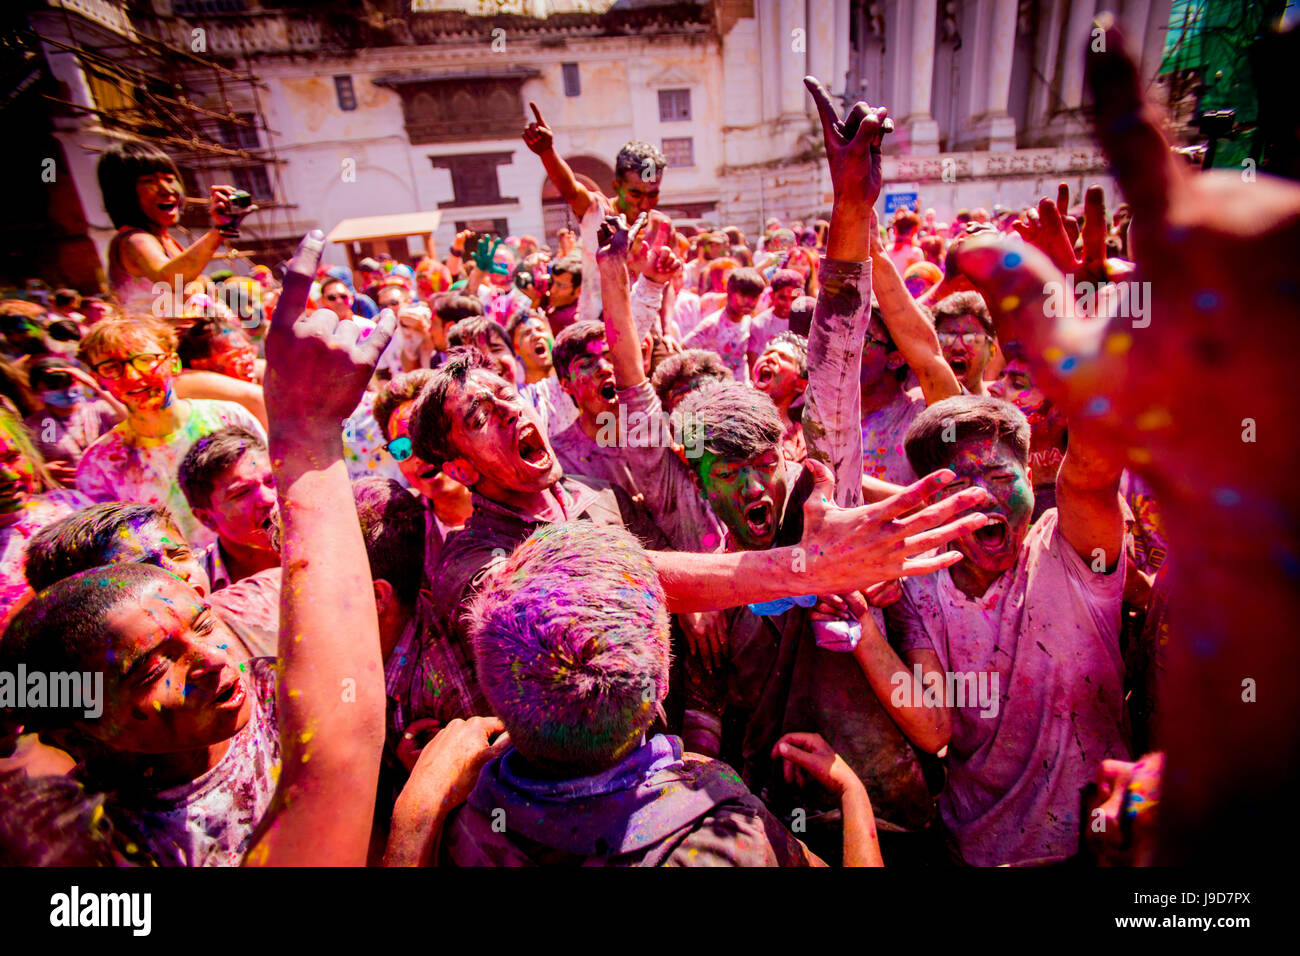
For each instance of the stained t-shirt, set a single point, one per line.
(585, 456)
(364, 450)
(883, 432)
(123, 466)
(729, 339)
(210, 820)
(1048, 630)
(40, 511)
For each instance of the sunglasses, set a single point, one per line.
(400, 448)
(142, 363)
(56, 382)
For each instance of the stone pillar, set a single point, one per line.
(916, 132)
(793, 39)
(989, 125)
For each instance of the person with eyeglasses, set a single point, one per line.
(965, 331)
(135, 360)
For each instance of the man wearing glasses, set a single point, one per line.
(966, 335)
(135, 360)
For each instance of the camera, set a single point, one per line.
(240, 199)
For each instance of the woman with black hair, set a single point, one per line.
(144, 196)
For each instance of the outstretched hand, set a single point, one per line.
(317, 366)
(1053, 231)
(850, 549)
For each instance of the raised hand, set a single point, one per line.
(1054, 233)
(538, 136)
(852, 146)
(316, 369)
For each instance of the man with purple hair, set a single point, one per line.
(571, 636)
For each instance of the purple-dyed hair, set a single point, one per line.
(571, 639)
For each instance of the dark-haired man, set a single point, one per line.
(965, 331)
(638, 176)
(1038, 608)
(727, 331)
(588, 446)
(117, 532)
(563, 294)
(226, 479)
(781, 373)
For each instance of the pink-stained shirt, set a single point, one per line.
(210, 821)
(730, 340)
(1048, 629)
(40, 511)
(122, 466)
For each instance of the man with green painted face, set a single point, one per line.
(475, 426)
(777, 673)
(638, 176)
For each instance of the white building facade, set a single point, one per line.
(421, 106)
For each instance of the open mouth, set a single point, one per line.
(763, 376)
(608, 392)
(532, 448)
(758, 519)
(168, 206)
(958, 365)
(231, 697)
(429, 474)
(995, 535)
(540, 349)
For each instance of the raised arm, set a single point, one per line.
(538, 138)
(908, 326)
(616, 303)
(331, 685)
(832, 401)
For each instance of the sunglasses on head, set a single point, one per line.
(400, 448)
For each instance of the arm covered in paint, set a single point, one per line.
(832, 417)
(908, 326)
(842, 549)
(330, 697)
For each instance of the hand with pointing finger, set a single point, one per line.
(537, 135)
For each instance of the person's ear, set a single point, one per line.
(383, 595)
(566, 386)
(206, 517)
(458, 469)
(894, 360)
(680, 452)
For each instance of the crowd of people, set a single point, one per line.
(654, 545)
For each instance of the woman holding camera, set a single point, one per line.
(147, 268)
